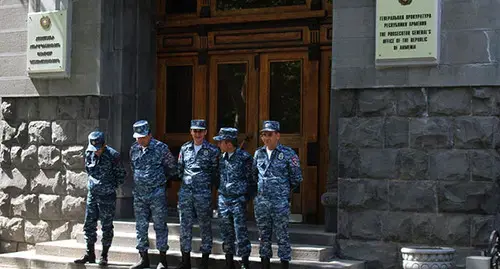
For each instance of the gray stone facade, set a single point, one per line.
(414, 150)
(43, 184)
(417, 166)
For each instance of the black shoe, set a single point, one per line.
(204, 261)
(265, 263)
(163, 261)
(104, 256)
(186, 261)
(230, 261)
(245, 263)
(89, 257)
(284, 264)
(143, 263)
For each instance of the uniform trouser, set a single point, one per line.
(146, 205)
(195, 205)
(273, 214)
(232, 214)
(99, 207)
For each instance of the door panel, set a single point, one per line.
(288, 94)
(176, 96)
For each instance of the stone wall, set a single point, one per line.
(43, 183)
(417, 166)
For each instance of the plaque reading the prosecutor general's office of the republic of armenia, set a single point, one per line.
(407, 32)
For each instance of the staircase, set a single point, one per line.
(311, 248)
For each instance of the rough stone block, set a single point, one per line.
(50, 207)
(484, 165)
(430, 133)
(61, 230)
(76, 227)
(73, 208)
(14, 181)
(449, 165)
(73, 157)
(377, 253)
(40, 132)
(25, 246)
(377, 102)
(441, 229)
(64, 132)
(361, 132)
(91, 108)
(396, 132)
(413, 164)
(24, 158)
(8, 132)
(344, 228)
(481, 227)
(474, 132)
(7, 247)
(6, 109)
(347, 102)
(26, 108)
(468, 197)
(49, 157)
(84, 128)
(412, 102)
(366, 225)
(450, 102)
(25, 206)
(70, 108)
(4, 155)
(36, 231)
(485, 101)
(396, 226)
(4, 204)
(349, 163)
(416, 196)
(363, 194)
(378, 163)
(77, 183)
(48, 182)
(12, 229)
(22, 136)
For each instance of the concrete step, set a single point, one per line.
(129, 255)
(299, 233)
(299, 252)
(30, 260)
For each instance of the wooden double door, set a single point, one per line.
(243, 90)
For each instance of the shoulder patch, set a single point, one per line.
(295, 160)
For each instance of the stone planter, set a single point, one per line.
(428, 257)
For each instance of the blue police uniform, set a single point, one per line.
(198, 170)
(105, 173)
(235, 178)
(276, 177)
(152, 166)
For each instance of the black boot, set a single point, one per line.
(229, 261)
(163, 261)
(204, 261)
(143, 263)
(104, 256)
(265, 263)
(186, 261)
(245, 263)
(89, 257)
(284, 264)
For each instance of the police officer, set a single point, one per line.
(105, 173)
(152, 164)
(277, 170)
(197, 167)
(235, 179)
